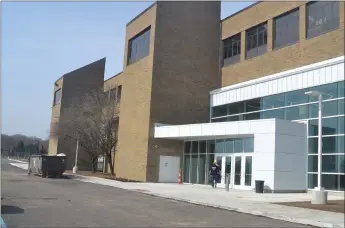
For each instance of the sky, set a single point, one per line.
(41, 41)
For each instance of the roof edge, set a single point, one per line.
(102, 59)
(113, 76)
(238, 12)
(144, 11)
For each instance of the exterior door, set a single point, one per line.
(242, 175)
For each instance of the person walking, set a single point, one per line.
(214, 172)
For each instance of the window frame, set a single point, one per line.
(274, 29)
(137, 38)
(55, 101)
(323, 31)
(234, 39)
(257, 34)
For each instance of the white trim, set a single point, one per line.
(317, 74)
(298, 70)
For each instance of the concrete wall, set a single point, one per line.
(291, 157)
(304, 52)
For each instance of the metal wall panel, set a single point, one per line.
(304, 77)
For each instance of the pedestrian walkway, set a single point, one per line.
(234, 200)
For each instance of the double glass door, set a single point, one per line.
(239, 169)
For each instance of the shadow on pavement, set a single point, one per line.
(6, 209)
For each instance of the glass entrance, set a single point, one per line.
(242, 177)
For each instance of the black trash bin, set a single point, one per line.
(259, 186)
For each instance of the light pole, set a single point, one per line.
(319, 195)
(75, 168)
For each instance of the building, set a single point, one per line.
(67, 88)
(195, 89)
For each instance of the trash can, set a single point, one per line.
(259, 186)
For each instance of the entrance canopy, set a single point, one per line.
(220, 130)
(278, 157)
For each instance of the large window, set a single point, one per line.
(322, 17)
(256, 41)
(232, 49)
(139, 46)
(286, 29)
(57, 97)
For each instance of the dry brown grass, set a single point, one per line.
(332, 205)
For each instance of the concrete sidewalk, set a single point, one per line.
(240, 201)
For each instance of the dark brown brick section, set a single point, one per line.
(306, 51)
(76, 84)
(186, 68)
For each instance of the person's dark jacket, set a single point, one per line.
(215, 170)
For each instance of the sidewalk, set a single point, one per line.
(240, 201)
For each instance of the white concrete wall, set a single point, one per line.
(290, 156)
(280, 148)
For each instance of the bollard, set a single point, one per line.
(227, 182)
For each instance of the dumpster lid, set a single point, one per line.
(61, 154)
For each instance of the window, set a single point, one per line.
(139, 46)
(296, 112)
(274, 101)
(57, 97)
(232, 49)
(322, 17)
(274, 114)
(219, 111)
(119, 91)
(256, 40)
(236, 108)
(286, 29)
(253, 105)
(296, 97)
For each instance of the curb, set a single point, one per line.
(256, 213)
(15, 160)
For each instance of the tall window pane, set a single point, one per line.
(219, 147)
(286, 29)
(256, 40)
(322, 17)
(138, 46)
(341, 89)
(232, 49)
(57, 97)
(274, 101)
(229, 146)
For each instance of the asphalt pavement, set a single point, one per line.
(32, 201)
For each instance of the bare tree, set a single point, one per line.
(92, 120)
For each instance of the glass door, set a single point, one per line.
(237, 170)
(228, 167)
(242, 175)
